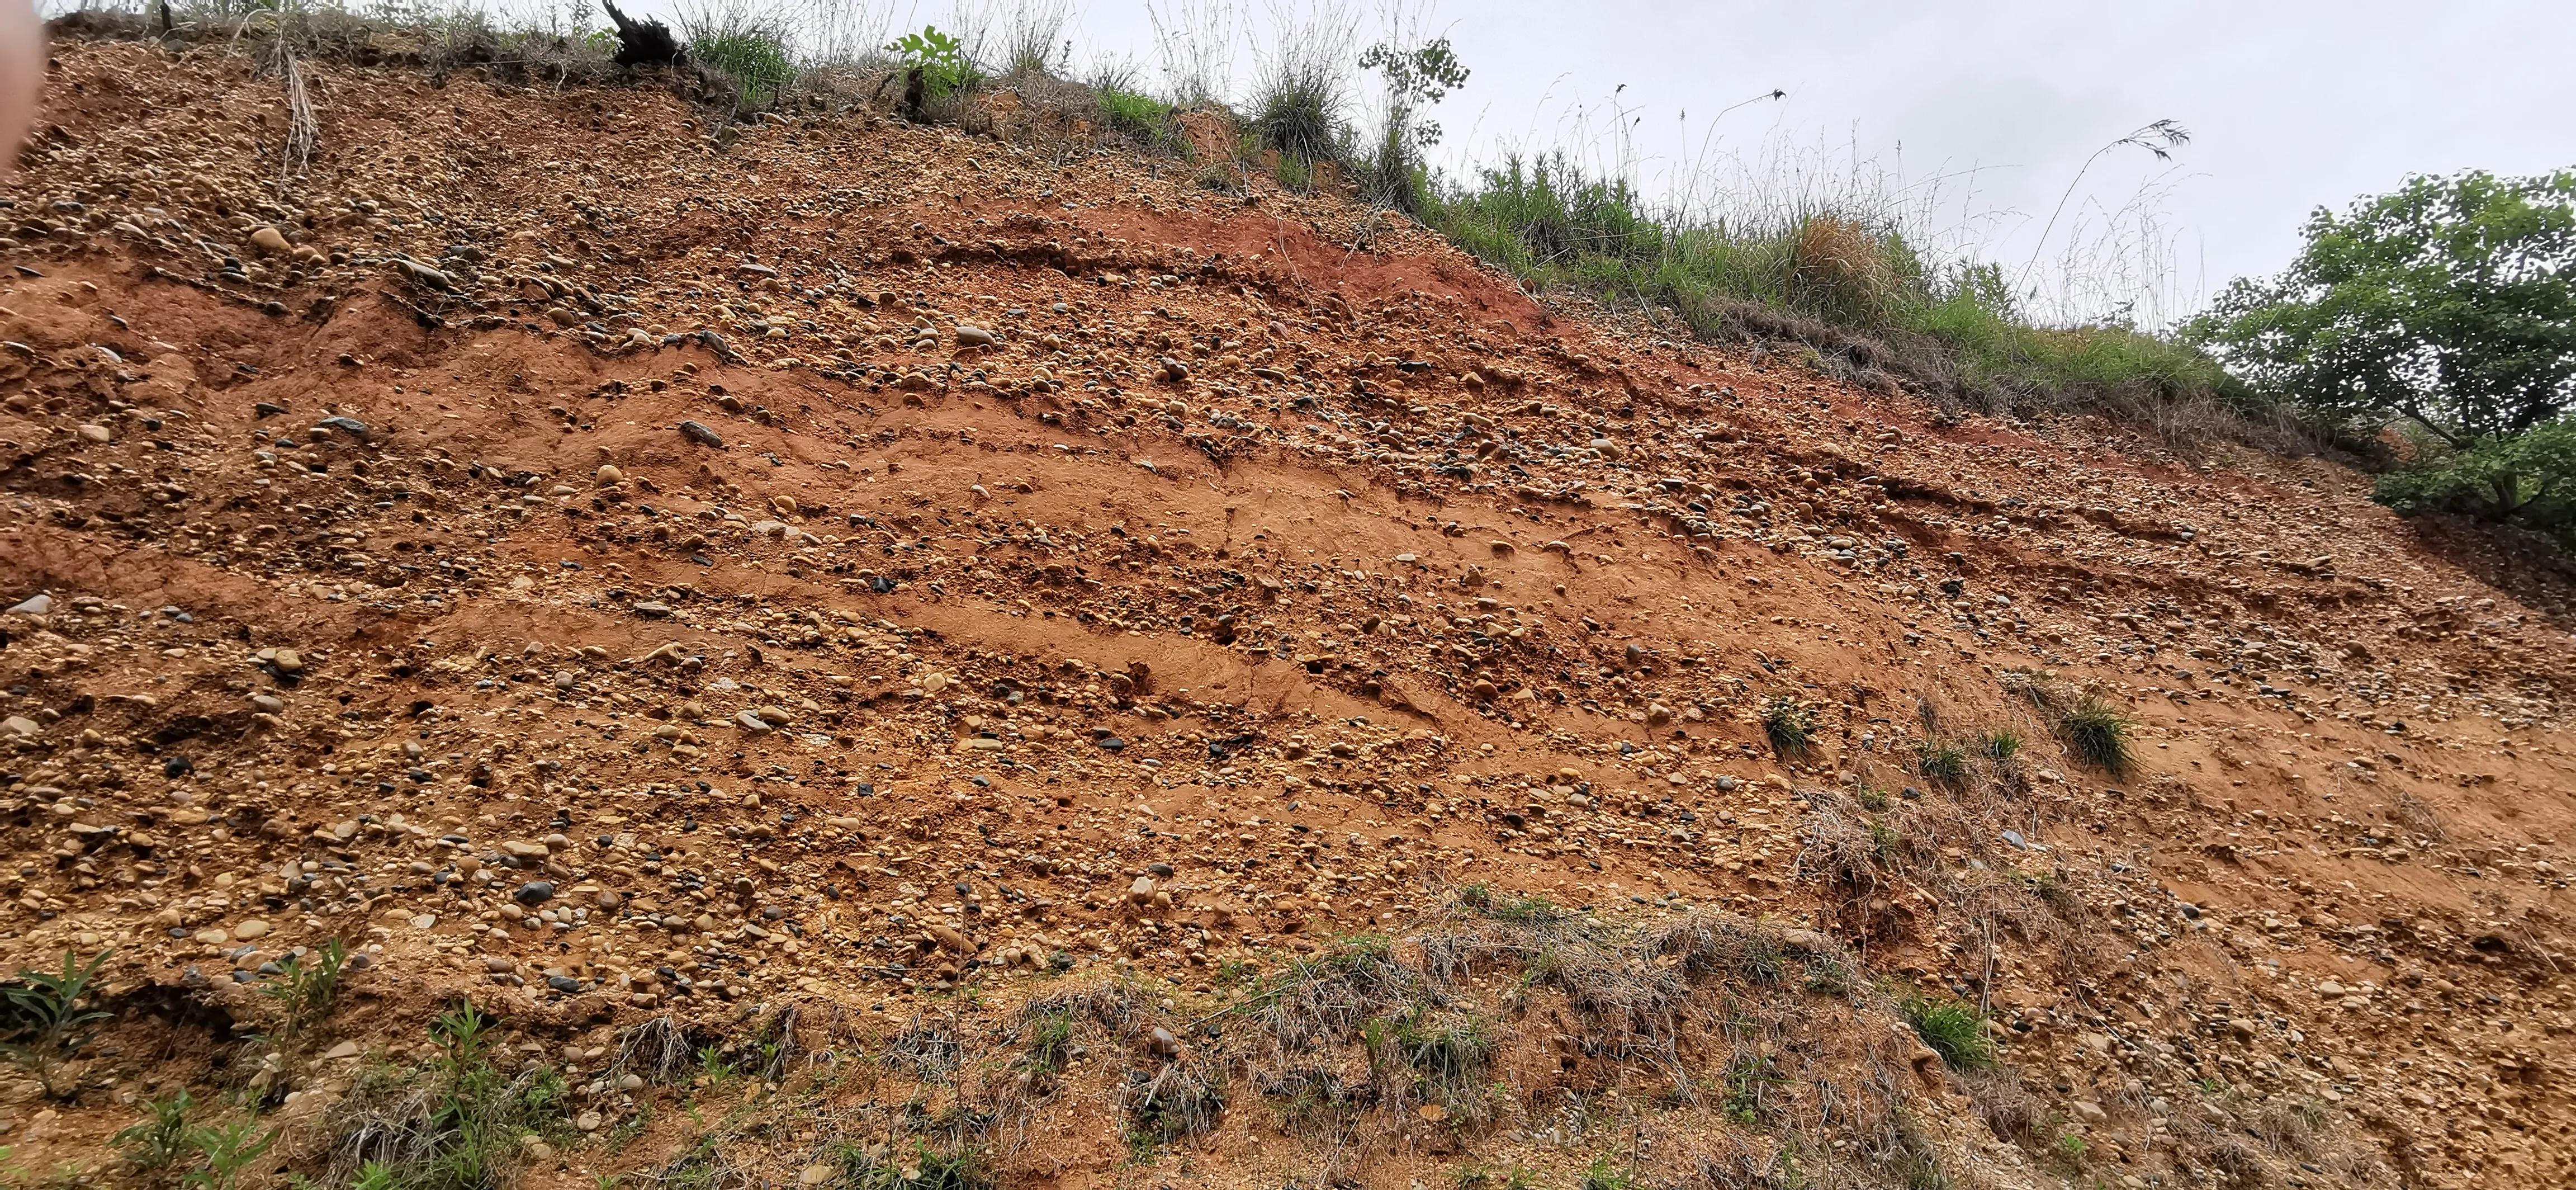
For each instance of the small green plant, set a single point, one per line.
(714, 1072)
(306, 986)
(2068, 1148)
(1602, 1174)
(1953, 1029)
(49, 1023)
(935, 58)
(1873, 800)
(927, 1168)
(161, 1138)
(374, 1175)
(1050, 1043)
(1519, 908)
(1999, 745)
(1790, 726)
(1478, 1175)
(2098, 734)
(1294, 174)
(227, 1150)
(1943, 764)
(1749, 1080)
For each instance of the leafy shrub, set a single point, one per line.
(1953, 1029)
(938, 59)
(2098, 734)
(1416, 78)
(2527, 480)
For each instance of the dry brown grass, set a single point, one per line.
(1839, 269)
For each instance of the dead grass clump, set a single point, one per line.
(2291, 1127)
(1113, 1005)
(704, 1165)
(1181, 1100)
(1440, 1054)
(1839, 270)
(925, 1050)
(2418, 817)
(2008, 1108)
(1312, 1100)
(661, 1050)
(1730, 1159)
(1324, 999)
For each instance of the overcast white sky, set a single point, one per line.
(1978, 114)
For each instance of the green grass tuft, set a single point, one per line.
(1953, 1029)
(1790, 725)
(1138, 115)
(751, 54)
(2097, 733)
(925, 1167)
(1525, 909)
(1298, 108)
(1942, 763)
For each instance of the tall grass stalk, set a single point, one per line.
(1195, 43)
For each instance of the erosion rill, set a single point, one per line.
(559, 648)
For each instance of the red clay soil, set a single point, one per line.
(601, 573)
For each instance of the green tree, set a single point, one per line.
(2448, 303)
(2527, 480)
(1416, 79)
